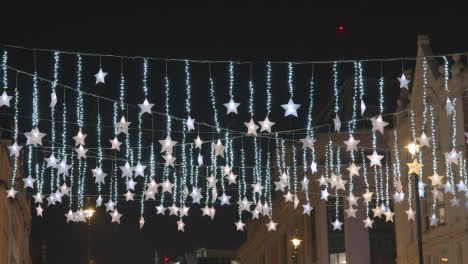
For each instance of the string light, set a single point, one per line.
(213, 101)
(15, 134)
(231, 79)
(35, 122)
(79, 112)
(268, 87)
(364, 173)
(310, 131)
(98, 127)
(335, 86)
(52, 118)
(256, 172)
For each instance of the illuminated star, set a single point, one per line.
(100, 76)
(34, 137)
(266, 125)
(219, 149)
(129, 196)
(452, 156)
(169, 160)
(167, 144)
(363, 107)
(63, 168)
(337, 225)
(322, 181)
(305, 183)
(198, 142)
(152, 185)
(211, 181)
(51, 161)
(116, 216)
(224, 199)
(449, 107)
(239, 225)
(29, 182)
(11, 193)
(378, 124)
(403, 81)
(122, 126)
(368, 223)
(410, 214)
(167, 186)
(79, 138)
(350, 212)
(5, 99)
(99, 174)
(375, 159)
(81, 152)
(266, 209)
(149, 194)
(145, 107)
(160, 209)
(423, 140)
(38, 197)
(271, 225)
(70, 216)
(448, 187)
(231, 106)
(389, 215)
(324, 194)
(227, 169)
(413, 167)
(255, 213)
(39, 210)
(284, 178)
(313, 167)
(14, 150)
(337, 123)
(206, 211)
(196, 195)
(99, 201)
(231, 178)
(461, 186)
(200, 159)
(173, 209)
(180, 225)
(115, 143)
(288, 197)
(51, 199)
(53, 100)
(307, 209)
(280, 186)
(433, 220)
(353, 170)
(139, 170)
(251, 127)
(244, 205)
(351, 143)
(353, 200)
(455, 202)
(126, 170)
(190, 124)
(257, 188)
(435, 194)
(436, 179)
(333, 180)
(184, 211)
(377, 211)
(307, 142)
(399, 196)
(109, 206)
(367, 196)
(290, 108)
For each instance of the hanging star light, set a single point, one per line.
(351, 143)
(99, 201)
(368, 222)
(190, 124)
(109, 206)
(126, 170)
(448, 188)
(423, 140)
(130, 184)
(279, 186)
(211, 181)
(167, 144)
(129, 196)
(122, 126)
(115, 216)
(64, 189)
(160, 209)
(115, 143)
(51, 161)
(231, 106)
(290, 108)
(34, 137)
(173, 209)
(305, 183)
(257, 188)
(325, 194)
(452, 156)
(389, 215)
(206, 211)
(307, 209)
(435, 194)
(139, 170)
(5, 99)
(29, 182)
(449, 107)
(399, 196)
(288, 197)
(14, 149)
(180, 225)
(38, 197)
(266, 125)
(337, 225)
(436, 179)
(367, 196)
(352, 200)
(219, 149)
(377, 211)
(363, 107)
(410, 214)
(145, 107)
(244, 205)
(413, 167)
(378, 124)
(51, 199)
(169, 160)
(353, 170)
(81, 151)
(196, 195)
(322, 181)
(461, 186)
(231, 178)
(141, 222)
(337, 123)
(454, 202)
(255, 213)
(251, 127)
(350, 212)
(239, 225)
(224, 199)
(53, 100)
(313, 167)
(167, 186)
(63, 168)
(70, 216)
(200, 159)
(198, 142)
(307, 142)
(227, 169)
(375, 159)
(39, 210)
(184, 211)
(79, 138)
(271, 225)
(100, 76)
(403, 81)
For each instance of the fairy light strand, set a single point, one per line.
(52, 118)
(268, 87)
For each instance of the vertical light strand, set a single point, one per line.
(35, 122)
(268, 87)
(187, 110)
(114, 169)
(256, 174)
(98, 132)
(364, 173)
(52, 120)
(15, 134)
(167, 100)
(79, 119)
(188, 96)
(413, 137)
(140, 134)
(310, 131)
(434, 151)
(335, 87)
(231, 79)
(352, 123)
(123, 111)
(423, 125)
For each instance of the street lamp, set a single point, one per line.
(296, 243)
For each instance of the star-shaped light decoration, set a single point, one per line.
(206, 211)
(231, 106)
(296, 201)
(167, 144)
(38, 197)
(413, 167)
(70, 216)
(307, 142)
(305, 183)
(399, 196)
(367, 196)
(461, 186)
(127, 170)
(375, 159)
(255, 213)
(279, 186)
(350, 212)
(115, 143)
(200, 159)
(167, 186)
(196, 195)
(160, 209)
(322, 181)
(353, 170)
(231, 178)
(290, 108)
(110, 206)
(51, 161)
(99, 201)
(173, 209)
(79, 138)
(152, 185)
(288, 197)
(337, 224)
(180, 225)
(266, 125)
(39, 210)
(352, 200)
(410, 214)
(122, 126)
(403, 81)
(224, 199)
(257, 188)
(51, 199)
(239, 225)
(271, 225)
(449, 107)
(436, 179)
(58, 196)
(141, 222)
(378, 124)
(368, 222)
(115, 216)
(34, 137)
(433, 220)
(139, 170)
(5, 99)
(244, 205)
(145, 107)
(99, 175)
(11, 193)
(313, 167)
(100, 76)
(351, 143)
(190, 124)
(377, 211)
(169, 160)
(29, 182)
(325, 194)
(337, 123)
(423, 140)
(266, 209)
(198, 142)
(421, 188)
(130, 184)
(81, 151)
(307, 209)
(389, 215)
(454, 202)
(184, 211)
(251, 127)
(14, 149)
(53, 100)
(448, 188)
(363, 107)
(219, 149)
(63, 168)
(129, 196)
(452, 156)
(226, 169)
(211, 181)
(435, 194)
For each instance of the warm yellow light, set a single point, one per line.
(296, 242)
(444, 259)
(89, 213)
(413, 148)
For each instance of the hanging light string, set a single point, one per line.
(364, 173)
(187, 110)
(256, 173)
(231, 79)
(413, 137)
(124, 111)
(99, 161)
(310, 131)
(215, 119)
(454, 139)
(35, 122)
(79, 120)
(291, 91)
(188, 91)
(4, 69)
(167, 87)
(140, 114)
(352, 123)
(114, 169)
(213, 100)
(52, 124)
(397, 174)
(268, 87)
(335, 87)
(434, 151)
(423, 126)
(15, 134)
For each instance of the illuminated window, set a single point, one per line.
(442, 215)
(338, 258)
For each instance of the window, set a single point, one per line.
(338, 258)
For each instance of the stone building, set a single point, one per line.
(15, 214)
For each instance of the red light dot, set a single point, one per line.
(340, 28)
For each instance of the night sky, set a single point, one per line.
(205, 30)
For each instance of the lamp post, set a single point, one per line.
(89, 212)
(413, 149)
(296, 243)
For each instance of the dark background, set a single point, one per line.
(259, 32)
